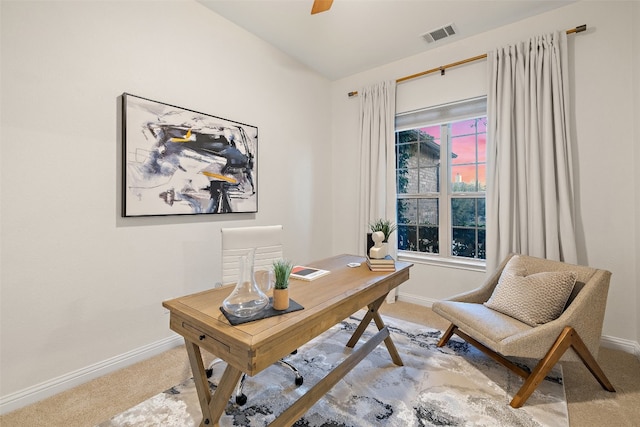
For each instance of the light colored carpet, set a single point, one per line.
(103, 398)
(454, 385)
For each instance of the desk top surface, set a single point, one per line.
(343, 285)
(254, 346)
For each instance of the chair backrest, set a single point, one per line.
(539, 265)
(586, 306)
(236, 242)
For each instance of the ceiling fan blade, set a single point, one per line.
(321, 6)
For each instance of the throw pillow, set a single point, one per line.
(533, 299)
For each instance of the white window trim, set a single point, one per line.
(437, 260)
(433, 116)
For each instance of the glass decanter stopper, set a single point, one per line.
(246, 299)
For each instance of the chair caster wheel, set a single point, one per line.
(241, 400)
(299, 381)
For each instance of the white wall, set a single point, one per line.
(81, 285)
(602, 62)
(636, 109)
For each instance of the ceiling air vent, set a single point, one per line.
(439, 33)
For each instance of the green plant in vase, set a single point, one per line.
(387, 227)
(281, 270)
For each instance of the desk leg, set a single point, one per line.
(227, 385)
(375, 315)
(212, 406)
(199, 378)
(306, 401)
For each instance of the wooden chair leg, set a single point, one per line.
(567, 338)
(562, 343)
(492, 354)
(447, 335)
(590, 362)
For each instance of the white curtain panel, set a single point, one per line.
(377, 159)
(530, 196)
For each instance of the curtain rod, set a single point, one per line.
(577, 29)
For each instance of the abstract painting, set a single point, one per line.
(177, 161)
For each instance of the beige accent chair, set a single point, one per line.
(579, 327)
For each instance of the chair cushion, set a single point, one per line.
(534, 299)
(487, 326)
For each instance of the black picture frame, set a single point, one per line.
(177, 161)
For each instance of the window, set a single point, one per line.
(441, 181)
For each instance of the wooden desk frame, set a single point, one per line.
(254, 346)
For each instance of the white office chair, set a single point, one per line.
(236, 242)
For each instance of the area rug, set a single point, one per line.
(456, 385)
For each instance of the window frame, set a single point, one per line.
(432, 116)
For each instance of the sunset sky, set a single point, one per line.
(464, 146)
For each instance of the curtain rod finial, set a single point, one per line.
(352, 94)
(581, 28)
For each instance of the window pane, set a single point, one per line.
(429, 180)
(482, 219)
(469, 178)
(463, 212)
(429, 160)
(428, 240)
(463, 242)
(408, 162)
(402, 178)
(463, 149)
(407, 238)
(407, 181)
(407, 136)
(482, 147)
(407, 155)
(429, 153)
(482, 125)
(407, 211)
(482, 177)
(464, 179)
(433, 131)
(463, 127)
(468, 221)
(482, 244)
(468, 152)
(428, 212)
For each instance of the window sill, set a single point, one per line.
(458, 263)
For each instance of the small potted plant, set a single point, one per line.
(387, 227)
(281, 270)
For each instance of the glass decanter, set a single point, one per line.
(246, 299)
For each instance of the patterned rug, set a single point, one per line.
(452, 386)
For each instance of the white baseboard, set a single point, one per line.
(615, 343)
(29, 395)
(415, 299)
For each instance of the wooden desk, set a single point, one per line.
(252, 347)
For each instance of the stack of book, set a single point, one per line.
(381, 264)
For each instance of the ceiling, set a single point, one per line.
(357, 35)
